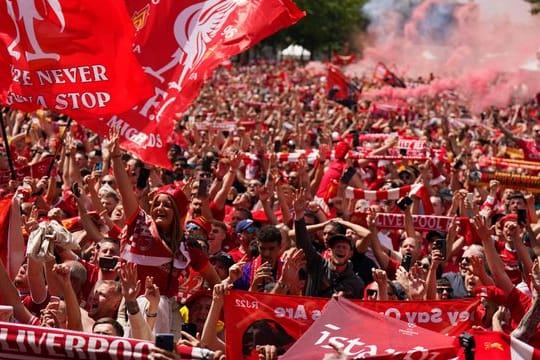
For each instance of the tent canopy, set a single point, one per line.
(296, 52)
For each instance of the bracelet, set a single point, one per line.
(132, 307)
(150, 315)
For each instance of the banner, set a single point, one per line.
(36, 170)
(69, 56)
(362, 333)
(284, 317)
(420, 222)
(179, 44)
(34, 342)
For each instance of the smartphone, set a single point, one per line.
(142, 180)
(356, 140)
(75, 190)
(404, 203)
(406, 262)
(440, 244)
(98, 167)
(204, 184)
(470, 198)
(346, 178)
(458, 164)
(190, 328)
(277, 146)
(165, 341)
(107, 263)
(522, 216)
(207, 165)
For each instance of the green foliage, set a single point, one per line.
(327, 26)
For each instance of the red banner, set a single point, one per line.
(420, 222)
(294, 315)
(70, 56)
(179, 44)
(37, 171)
(362, 333)
(33, 342)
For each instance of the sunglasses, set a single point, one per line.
(464, 260)
(251, 230)
(441, 290)
(371, 292)
(192, 227)
(110, 182)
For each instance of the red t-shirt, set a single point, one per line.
(141, 244)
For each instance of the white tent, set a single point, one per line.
(296, 52)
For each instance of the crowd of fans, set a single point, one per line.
(257, 200)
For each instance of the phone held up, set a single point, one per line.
(165, 341)
(440, 244)
(406, 262)
(404, 203)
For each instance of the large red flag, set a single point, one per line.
(179, 44)
(363, 333)
(70, 56)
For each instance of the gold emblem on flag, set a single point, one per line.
(495, 345)
(140, 17)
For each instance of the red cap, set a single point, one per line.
(177, 194)
(509, 217)
(203, 223)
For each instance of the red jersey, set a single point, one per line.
(142, 245)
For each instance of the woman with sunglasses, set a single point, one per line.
(156, 243)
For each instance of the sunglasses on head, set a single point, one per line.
(192, 227)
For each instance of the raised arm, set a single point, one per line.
(129, 199)
(209, 338)
(492, 256)
(73, 310)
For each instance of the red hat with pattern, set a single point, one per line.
(177, 194)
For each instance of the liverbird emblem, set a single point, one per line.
(194, 27)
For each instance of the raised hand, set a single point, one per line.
(300, 203)
(128, 277)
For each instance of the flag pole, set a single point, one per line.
(6, 145)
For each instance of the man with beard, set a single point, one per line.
(326, 276)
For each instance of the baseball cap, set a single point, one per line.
(224, 258)
(243, 225)
(339, 238)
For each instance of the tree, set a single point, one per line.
(327, 26)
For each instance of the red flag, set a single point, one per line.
(179, 44)
(11, 239)
(384, 74)
(338, 83)
(70, 56)
(364, 333)
(495, 345)
(338, 59)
